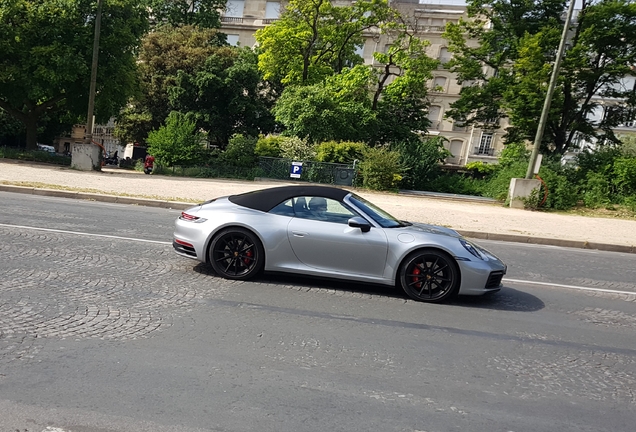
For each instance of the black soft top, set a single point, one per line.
(267, 199)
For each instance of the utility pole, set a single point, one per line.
(91, 93)
(548, 97)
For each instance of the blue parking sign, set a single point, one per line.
(296, 169)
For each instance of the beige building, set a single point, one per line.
(467, 144)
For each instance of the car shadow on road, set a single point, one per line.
(508, 299)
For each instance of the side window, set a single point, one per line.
(286, 208)
(322, 209)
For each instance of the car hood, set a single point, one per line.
(430, 229)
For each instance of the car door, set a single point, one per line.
(328, 243)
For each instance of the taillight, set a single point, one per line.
(191, 218)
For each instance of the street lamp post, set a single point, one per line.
(548, 97)
(84, 156)
(91, 92)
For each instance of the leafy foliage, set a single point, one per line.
(240, 151)
(200, 13)
(421, 161)
(178, 143)
(381, 169)
(226, 95)
(313, 39)
(46, 55)
(340, 152)
(269, 146)
(517, 44)
(297, 149)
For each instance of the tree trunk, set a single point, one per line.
(31, 124)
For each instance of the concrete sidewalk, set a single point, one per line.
(472, 219)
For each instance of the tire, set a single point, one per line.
(236, 253)
(429, 275)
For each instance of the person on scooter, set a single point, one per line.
(149, 164)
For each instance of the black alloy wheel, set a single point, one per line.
(236, 253)
(429, 276)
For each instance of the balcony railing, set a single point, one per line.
(269, 20)
(484, 151)
(237, 20)
(430, 29)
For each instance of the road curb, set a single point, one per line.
(177, 205)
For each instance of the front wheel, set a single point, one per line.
(429, 276)
(236, 253)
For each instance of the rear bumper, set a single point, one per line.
(184, 250)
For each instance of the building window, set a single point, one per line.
(485, 144)
(234, 8)
(233, 39)
(434, 112)
(439, 84)
(272, 10)
(444, 55)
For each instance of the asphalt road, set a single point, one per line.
(104, 328)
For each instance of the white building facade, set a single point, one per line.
(243, 18)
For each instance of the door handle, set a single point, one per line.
(299, 234)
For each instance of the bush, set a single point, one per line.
(422, 161)
(340, 152)
(269, 146)
(457, 184)
(562, 193)
(381, 169)
(624, 175)
(597, 191)
(480, 169)
(34, 155)
(240, 152)
(297, 149)
(498, 185)
(176, 143)
(513, 154)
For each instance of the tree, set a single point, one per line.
(200, 13)
(227, 95)
(164, 54)
(46, 53)
(314, 39)
(178, 143)
(337, 109)
(508, 71)
(402, 105)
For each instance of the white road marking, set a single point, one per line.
(575, 287)
(86, 234)
(519, 281)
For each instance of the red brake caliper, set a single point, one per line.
(248, 259)
(417, 271)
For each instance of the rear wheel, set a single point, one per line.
(236, 253)
(429, 275)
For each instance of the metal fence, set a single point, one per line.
(314, 172)
(272, 168)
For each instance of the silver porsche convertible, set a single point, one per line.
(330, 232)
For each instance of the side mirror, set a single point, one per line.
(358, 222)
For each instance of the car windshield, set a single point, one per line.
(383, 219)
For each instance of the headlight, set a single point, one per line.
(473, 249)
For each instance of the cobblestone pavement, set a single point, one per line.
(54, 286)
(59, 286)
